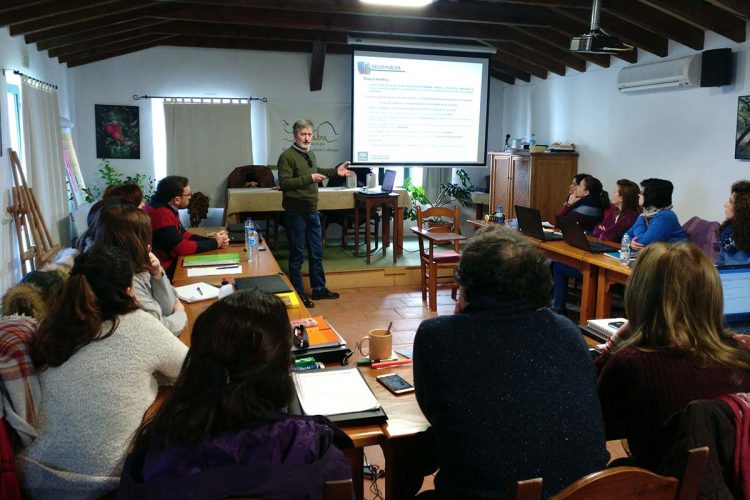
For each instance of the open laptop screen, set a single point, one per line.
(735, 282)
(389, 177)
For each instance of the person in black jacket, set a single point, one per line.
(507, 385)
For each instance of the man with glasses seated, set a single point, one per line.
(170, 237)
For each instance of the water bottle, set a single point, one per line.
(251, 241)
(625, 250)
(226, 288)
(499, 215)
(532, 140)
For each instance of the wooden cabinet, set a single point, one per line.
(537, 180)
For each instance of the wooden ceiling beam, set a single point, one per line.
(11, 5)
(93, 34)
(516, 62)
(80, 15)
(628, 32)
(317, 64)
(509, 70)
(545, 49)
(46, 10)
(704, 15)
(98, 23)
(657, 21)
(97, 53)
(247, 44)
(739, 7)
(543, 61)
(503, 77)
(562, 43)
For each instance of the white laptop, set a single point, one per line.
(387, 188)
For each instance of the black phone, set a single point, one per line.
(394, 383)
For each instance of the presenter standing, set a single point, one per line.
(299, 176)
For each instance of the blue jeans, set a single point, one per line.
(560, 275)
(303, 230)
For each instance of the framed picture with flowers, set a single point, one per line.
(117, 131)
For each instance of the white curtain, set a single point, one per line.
(44, 164)
(205, 142)
(432, 177)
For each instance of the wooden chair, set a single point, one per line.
(435, 263)
(529, 489)
(257, 176)
(623, 483)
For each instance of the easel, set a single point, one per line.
(34, 242)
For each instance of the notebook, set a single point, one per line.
(735, 282)
(388, 180)
(221, 259)
(271, 284)
(575, 237)
(196, 292)
(605, 328)
(530, 224)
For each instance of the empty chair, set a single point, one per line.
(703, 233)
(437, 265)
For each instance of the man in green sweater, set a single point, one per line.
(299, 176)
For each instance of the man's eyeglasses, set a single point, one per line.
(187, 195)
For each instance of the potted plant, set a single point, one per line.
(110, 176)
(449, 191)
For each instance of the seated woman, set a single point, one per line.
(676, 348)
(574, 182)
(225, 430)
(734, 232)
(96, 355)
(129, 192)
(620, 217)
(586, 204)
(657, 222)
(123, 225)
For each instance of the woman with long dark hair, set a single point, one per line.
(675, 350)
(586, 204)
(125, 226)
(734, 232)
(97, 355)
(225, 428)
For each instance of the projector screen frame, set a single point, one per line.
(452, 52)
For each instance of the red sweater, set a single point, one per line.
(639, 390)
(170, 239)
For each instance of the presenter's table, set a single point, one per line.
(389, 202)
(405, 419)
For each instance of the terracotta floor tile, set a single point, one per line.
(414, 312)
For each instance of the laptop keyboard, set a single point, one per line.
(599, 248)
(744, 330)
(552, 236)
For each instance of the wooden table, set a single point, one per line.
(610, 272)
(405, 419)
(389, 202)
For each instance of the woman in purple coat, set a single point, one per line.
(225, 431)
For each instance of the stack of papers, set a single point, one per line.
(333, 392)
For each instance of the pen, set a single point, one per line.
(199, 290)
(228, 267)
(389, 364)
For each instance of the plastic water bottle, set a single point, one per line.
(226, 288)
(500, 215)
(251, 241)
(532, 140)
(625, 250)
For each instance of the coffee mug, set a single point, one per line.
(380, 345)
(351, 182)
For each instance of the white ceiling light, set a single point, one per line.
(400, 3)
(598, 41)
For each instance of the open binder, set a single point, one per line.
(341, 394)
(326, 345)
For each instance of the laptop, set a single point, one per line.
(530, 224)
(575, 237)
(387, 188)
(735, 281)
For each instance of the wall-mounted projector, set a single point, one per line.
(597, 41)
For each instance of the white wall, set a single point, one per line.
(178, 71)
(45, 69)
(686, 136)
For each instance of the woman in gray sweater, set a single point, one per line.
(98, 356)
(125, 226)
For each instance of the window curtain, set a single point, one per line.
(432, 177)
(44, 164)
(205, 142)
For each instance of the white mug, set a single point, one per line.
(351, 182)
(371, 180)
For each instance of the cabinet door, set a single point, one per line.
(521, 182)
(500, 188)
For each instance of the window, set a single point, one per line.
(14, 117)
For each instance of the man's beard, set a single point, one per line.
(303, 147)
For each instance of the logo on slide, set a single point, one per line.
(362, 156)
(363, 68)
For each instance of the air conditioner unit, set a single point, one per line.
(683, 72)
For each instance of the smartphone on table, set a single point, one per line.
(394, 383)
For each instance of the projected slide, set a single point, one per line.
(418, 110)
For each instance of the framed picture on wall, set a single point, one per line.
(742, 140)
(117, 131)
